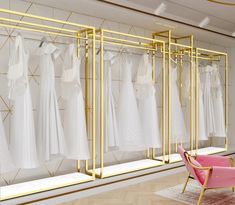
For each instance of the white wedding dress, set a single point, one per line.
(23, 139)
(6, 164)
(110, 120)
(147, 104)
(178, 128)
(128, 118)
(50, 134)
(208, 100)
(218, 104)
(74, 116)
(202, 135)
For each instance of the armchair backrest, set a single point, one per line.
(199, 175)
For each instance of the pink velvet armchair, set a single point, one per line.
(211, 172)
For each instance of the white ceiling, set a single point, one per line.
(223, 18)
(192, 11)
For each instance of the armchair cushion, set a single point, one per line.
(221, 177)
(201, 174)
(210, 160)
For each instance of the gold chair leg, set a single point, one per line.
(201, 195)
(186, 183)
(233, 189)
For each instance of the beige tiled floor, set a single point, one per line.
(140, 194)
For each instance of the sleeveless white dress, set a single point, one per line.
(147, 104)
(218, 104)
(208, 100)
(178, 128)
(201, 114)
(6, 164)
(110, 120)
(74, 116)
(202, 135)
(23, 139)
(50, 134)
(128, 118)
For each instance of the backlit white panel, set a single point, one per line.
(128, 167)
(40, 185)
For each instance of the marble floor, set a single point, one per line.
(139, 194)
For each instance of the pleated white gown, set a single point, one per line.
(208, 101)
(50, 135)
(147, 104)
(202, 135)
(128, 118)
(74, 116)
(178, 129)
(218, 104)
(23, 139)
(110, 119)
(6, 164)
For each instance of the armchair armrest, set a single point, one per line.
(214, 160)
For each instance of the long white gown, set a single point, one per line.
(178, 128)
(6, 164)
(128, 118)
(147, 104)
(50, 134)
(208, 100)
(110, 119)
(23, 139)
(74, 116)
(218, 104)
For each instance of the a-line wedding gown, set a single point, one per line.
(23, 139)
(50, 135)
(147, 103)
(128, 118)
(74, 116)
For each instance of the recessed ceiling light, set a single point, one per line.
(160, 9)
(204, 22)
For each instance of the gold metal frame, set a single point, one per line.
(184, 49)
(110, 37)
(210, 55)
(79, 32)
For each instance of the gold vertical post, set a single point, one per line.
(226, 99)
(93, 104)
(196, 99)
(86, 88)
(181, 78)
(191, 93)
(153, 78)
(169, 95)
(101, 102)
(163, 102)
(78, 53)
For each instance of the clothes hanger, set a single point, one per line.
(43, 40)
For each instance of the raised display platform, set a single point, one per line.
(40, 185)
(202, 151)
(128, 167)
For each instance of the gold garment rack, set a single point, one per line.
(104, 36)
(180, 50)
(210, 55)
(78, 32)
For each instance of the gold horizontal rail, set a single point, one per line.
(38, 25)
(44, 18)
(133, 36)
(40, 31)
